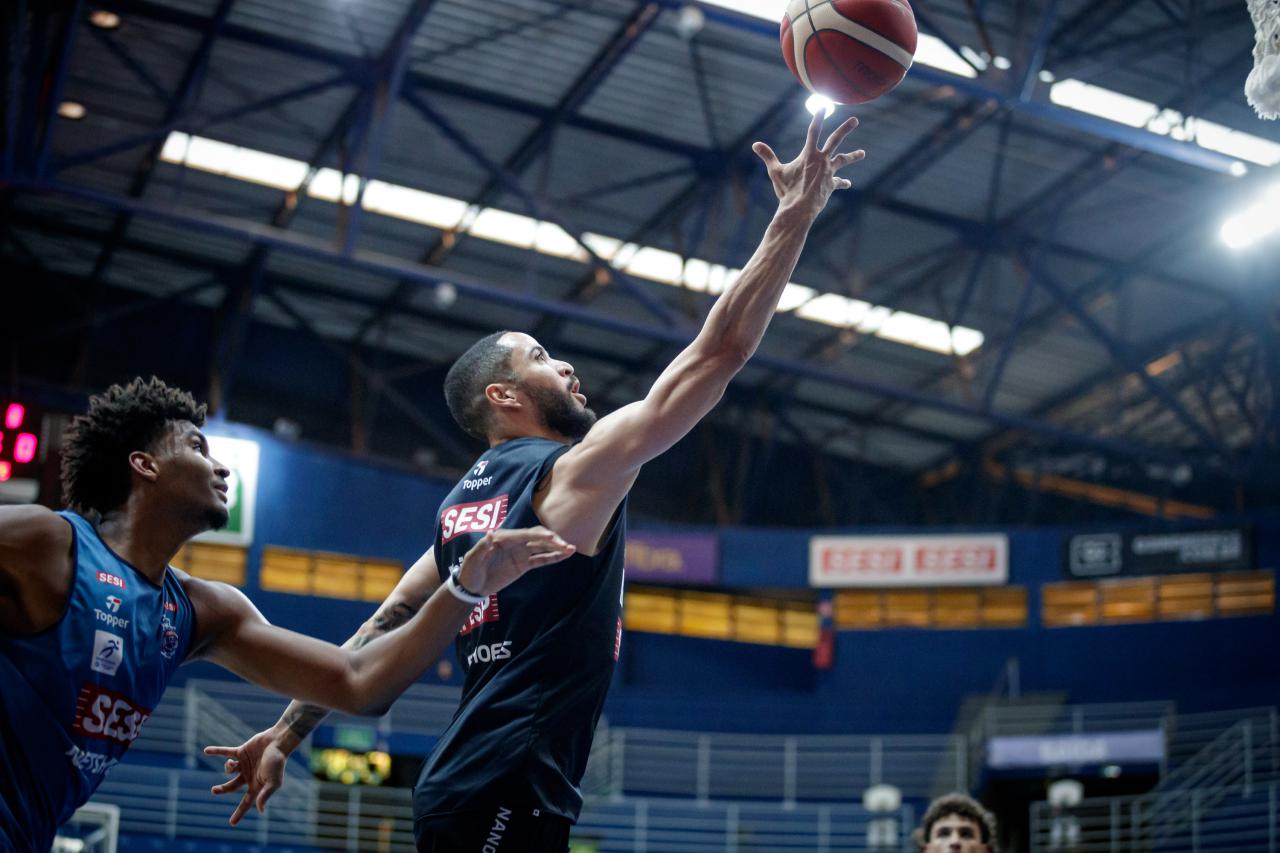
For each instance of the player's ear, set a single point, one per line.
(502, 394)
(144, 465)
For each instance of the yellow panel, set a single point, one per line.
(654, 621)
(758, 632)
(955, 608)
(858, 609)
(799, 627)
(379, 579)
(285, 571)
(336, 576)
(704, 614)
(1128, 600)
(1246, 593)
(224, 563)
(1072, 603)
(650, 610)
(1185, 596)
(910, 609)
(1004, 607)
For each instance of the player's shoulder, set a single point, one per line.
(218, 607)
(34, 531)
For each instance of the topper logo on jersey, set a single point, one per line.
(476, 517)
(113, 603)
(117, 622)
(108, 652)
(110, 579)
(108, 715)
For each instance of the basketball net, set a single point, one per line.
(1263, 86)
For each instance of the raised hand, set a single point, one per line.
(503, 556)
(256, 765)
(808, 181)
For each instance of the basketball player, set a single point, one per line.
(539, 656)
(93, 620)
(956, 823)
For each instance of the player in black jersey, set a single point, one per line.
(538, 656)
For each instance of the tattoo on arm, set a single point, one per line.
(303, 719)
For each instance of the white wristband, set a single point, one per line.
(459, 593)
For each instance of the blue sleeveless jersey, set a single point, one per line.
(538, 656)
(73, 697)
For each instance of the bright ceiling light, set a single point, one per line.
(104, 20)
(1255, 223)
(1239, 169)
(515, 229)
(1002, 63)
(73, 110)
(816, 103)
(1046, 76)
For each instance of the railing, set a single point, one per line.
(176, 804)
(649, 762)
(1214, 820)
(704, 766)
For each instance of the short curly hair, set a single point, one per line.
(963, 806)
(124, 418)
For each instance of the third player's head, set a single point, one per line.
(507, 385)
(139, 449)
(957, 823)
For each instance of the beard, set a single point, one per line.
(560, 412)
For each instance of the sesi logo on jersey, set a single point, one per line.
(485, 611)
(108, 715)
(477, 517)
(110, 579)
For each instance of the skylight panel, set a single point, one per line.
(525, 232)
(501, 226)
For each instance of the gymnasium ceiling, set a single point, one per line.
(1122, 342)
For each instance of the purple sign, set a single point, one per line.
(1146, 747)
(673, 557)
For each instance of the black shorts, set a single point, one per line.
(493, 829)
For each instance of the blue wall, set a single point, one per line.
(883, 681)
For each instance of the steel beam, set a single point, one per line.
(379, 264)
(505, 176)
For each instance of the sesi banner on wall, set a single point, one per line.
(672, 557)
(943, 560)
(1092, 555)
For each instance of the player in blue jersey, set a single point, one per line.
(539, 655)
(93, 620)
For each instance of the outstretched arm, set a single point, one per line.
(371, 670)
(586, 484)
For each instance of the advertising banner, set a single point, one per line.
(1144, 747)
(675, 558)
(1092, 555)
(876, 561)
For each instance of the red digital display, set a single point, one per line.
(19, 442)
(24, 449)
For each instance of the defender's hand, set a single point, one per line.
(258, 765)
(503, 556)
(808, 181)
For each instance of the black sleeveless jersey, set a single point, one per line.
(538, 656)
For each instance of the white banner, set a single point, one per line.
(944, 560)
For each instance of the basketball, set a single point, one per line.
(851, 51)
